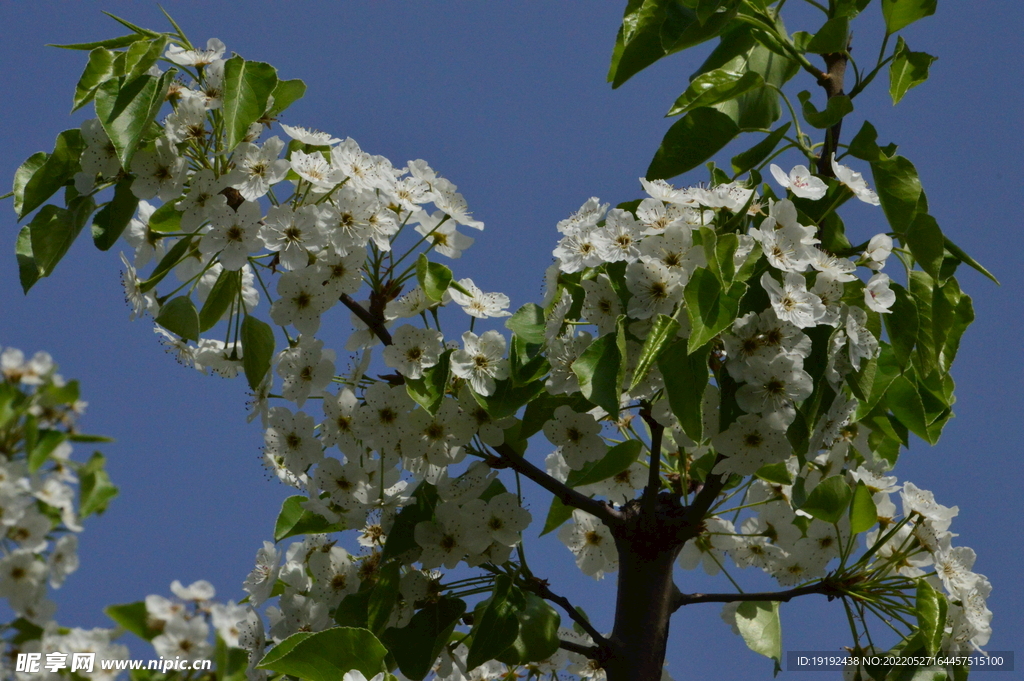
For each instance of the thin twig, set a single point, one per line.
(541, 588)
(373, 323)
(823, 587)
(591, 652)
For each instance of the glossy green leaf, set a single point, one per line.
(110, 44)
(166, 264)
(497, 628)
(417, 645)
(907, 70)
(686, 376)
(835, 109)
(429, 390)
(28, 270)
(179, 316)
(600, 370)
(538, 629)
(829, 500)
(434, 277)
(286, 93)
(327, 655)
(126, 110)
(257, 349)
(752, 157)
(713, 88)
(759, 625)
(776, 473)
(384, 597)
(899, 14)
(850, 8)
(558, 513)
(224, 292)
(110, 222)
(508, 398)
(43, 448)
(35, 181)
(54, 229)
(902, 324)
(528, 323)
(165, 219)
(899, 191)
(864, 145)
(402, 537)
(710, 308)
(293, 520)
(863, 512)
(692, 140)
(132, 617)
(142, 55)
(95, 488)
(968, 260)
(663, 331)
(930, 608)
(832, 37)
(248, 86)
(619, 458)
(904, 401)
(926, 243)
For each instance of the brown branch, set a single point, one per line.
(832, 81)
(567, 495)
(824, 587)
(650, 496)
(373, 322)
(540, 587)
(592, 652)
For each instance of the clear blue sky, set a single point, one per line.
(508, 100)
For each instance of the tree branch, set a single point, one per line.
(540, 587)
(593, 652)
(373, 322)
(567, 495)
(650, 496)
(832, 81)
(824, 587)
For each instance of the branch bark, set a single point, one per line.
(832, 81)
(824, 587)
(541, 588)
(373, 322)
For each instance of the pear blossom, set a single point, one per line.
(307, 136)
(592, 543)
(479, 304)
(182, 57)
(800, 182)
(481, 360)
(855, 182)
(413, 350)
(792, 301)
(258, 168)
(877, 294)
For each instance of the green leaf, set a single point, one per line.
(294, 520)
(908, 69)
(166, 264)
(126, 110)
(775, 472)
(850, 8)
(257, 349)
(165, 219)
(528, 323)
(832, 37)
(327, 655)
(434, 277)
(902, 324)
(402, 536)
(54, 229)
(753, 156)
(711, 310)
(926, 243)
(692, 140)
(663, 331)
(967, 260)
(558, 513)
(384, 597)
(930, 608)
(864, 145)
(428, 391)
(133, 617)
(497, 628)
(538, 629)
(111, 220)
(600, 370)
(179, 316)
(863, 513)
(44, 446)
(901, 13)
(899, 191)
(829, 499)
(417, 645)
(223, 293)
(142, 55)
(713, 88)
(619, 458)
(904, 401)
(28, 270)
(835, 109)
(110, 43)
(686, 377)
(286, 93)
(758, 622)
(35, 182)
(508, 397)
(248, 86)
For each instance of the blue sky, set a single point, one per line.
(510, 102)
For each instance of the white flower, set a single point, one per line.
(579, 436)
(158, 172)
(147, 244)
(656, 289)
(619, 238)
(184, 639)
(336, 575)
(200, 590)
(592, 543)
(301, 300)
(234, 234)
(413, 350)
(878, 251)
(256, 168)
(445, 238)
(341, 273)
(187, 122)
(586, 218)
(800, 182)
(731, 196)
(307, 136)
(314, 169)
(481, 361)
(601, 306)
(290, 437)
(877, 294)
(774, 387)
(306, 369)
(855, 181)
(179, 55)
(263, 577)
(203, 196)
(793, 302)
(749, 443)
(63, 559)
(479, 304)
